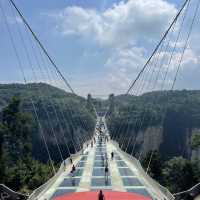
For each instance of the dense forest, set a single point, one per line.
(24, 161)
(162, 127)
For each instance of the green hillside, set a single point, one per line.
(24, 161)
(70, 109)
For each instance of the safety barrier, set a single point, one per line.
(7, 193)
(192, 192)
(155, 184)
(43, 188)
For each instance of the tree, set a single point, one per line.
(19, 131)
(2, 158)
(155, 166)
(178, 174)
(22, 172)
(195, 141)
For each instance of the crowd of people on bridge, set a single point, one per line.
(102, 138)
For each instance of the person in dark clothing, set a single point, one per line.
(101, 195)
(73, 170)
(106, 172)
(112, 155)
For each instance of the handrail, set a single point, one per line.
(43, 188)
(9, 193)
(194, 191)
(164, 190)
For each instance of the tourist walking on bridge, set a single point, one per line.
(101, 195)
(112, 155)
(71, 161)
(106, 172)
(73, 170)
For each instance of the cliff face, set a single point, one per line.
(153, 138)
(166, 125)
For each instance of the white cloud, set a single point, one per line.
(128, 32)
(122, 24)
(126, 57)
(189, 65)
(123, 66)
(190, 59)
(120, 29)
(13, 20)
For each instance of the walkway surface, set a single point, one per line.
(109, 195)
(90, 174)
(197, 198)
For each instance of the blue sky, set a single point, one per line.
(99, 45)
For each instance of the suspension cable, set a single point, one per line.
(51, 102)
(25, 81)
(181, 58)
(39, 91)
(46, 53)
(42, 46)
(157, 47)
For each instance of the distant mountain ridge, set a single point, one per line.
(7, 91)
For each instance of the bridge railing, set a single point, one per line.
(7, 193)
(155, 184)
(192, 192)
(43, 188)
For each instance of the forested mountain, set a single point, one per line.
(173, 115)
(166, 123)
(163, 124)
(23, 156)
